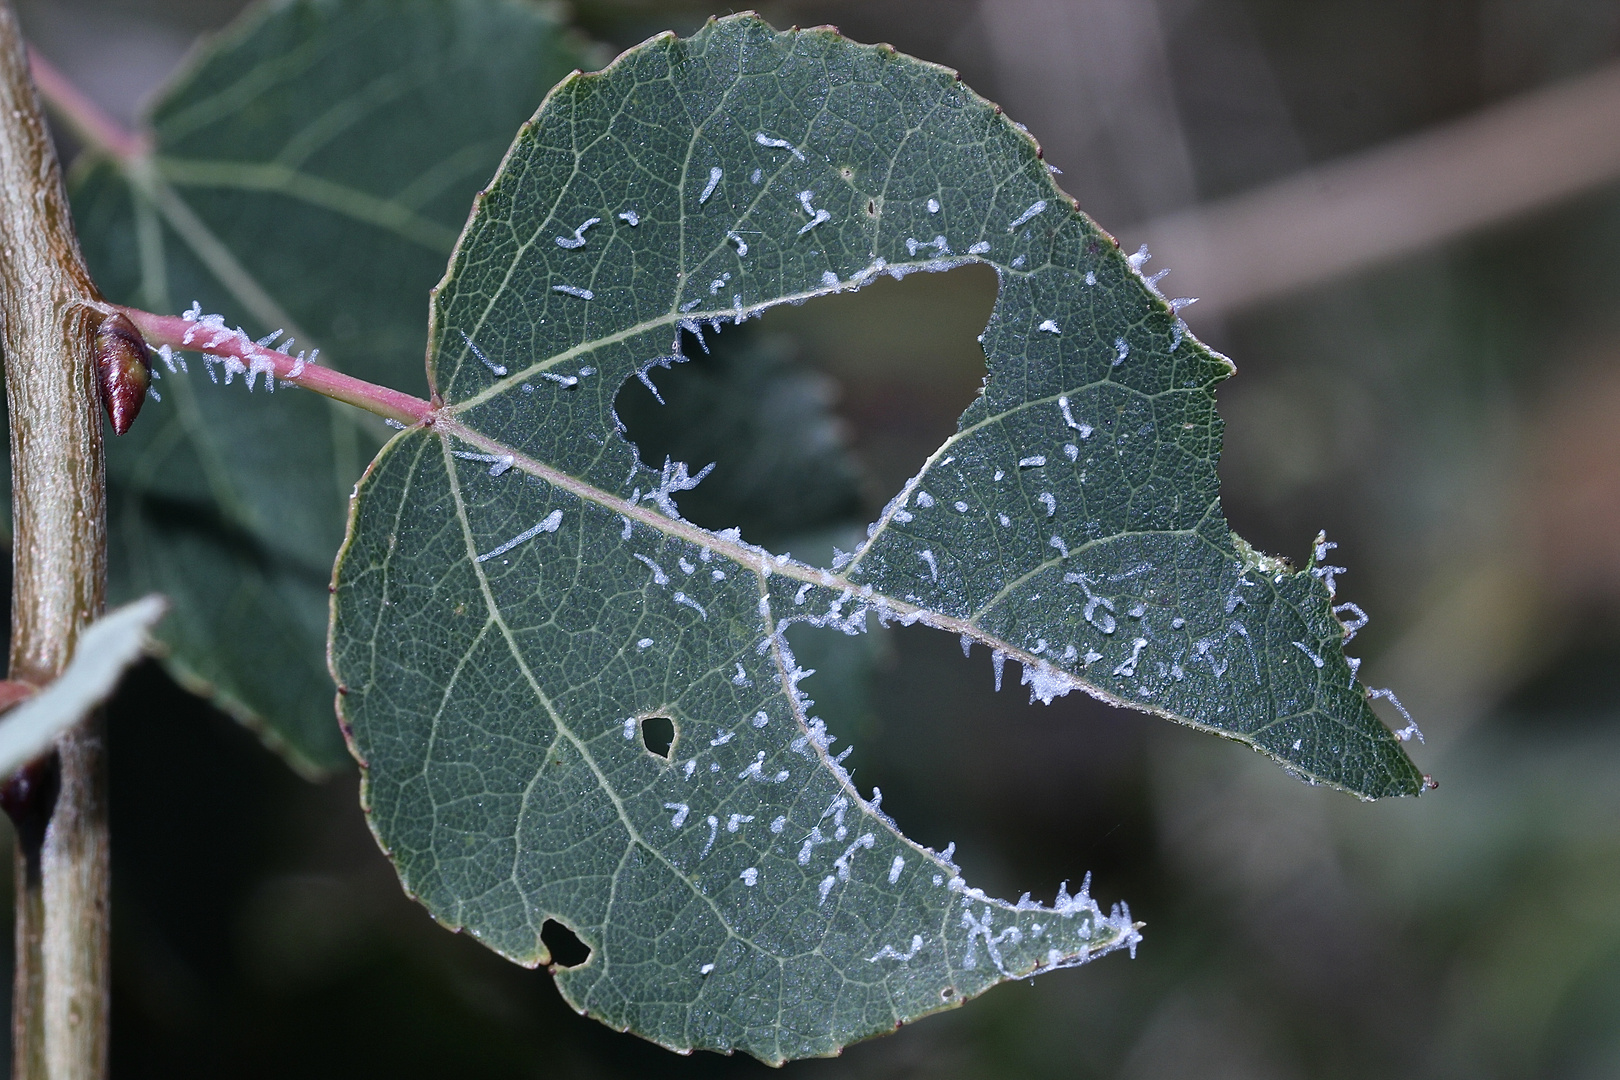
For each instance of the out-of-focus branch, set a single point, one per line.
(87, 120)
(1397, 199)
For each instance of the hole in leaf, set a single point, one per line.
(816, 415)
(658, 735)
(755, 410)
(1031, 794)
(565, 947)
(907, 357)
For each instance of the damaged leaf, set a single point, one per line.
(521, 616)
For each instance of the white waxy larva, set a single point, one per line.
(979, 248)
(705, 969)
(659, 577)
(1036, 207)
(750, 876)
(895, 868)
(681, 811)
(571, 290)
(889, 952)
(1068, 418)
(742, 245)
(1128, 667)
(1034, 461)
(816, 216)
(933, 206)
(715, 173)
(938, 243)
(1050, 327)
(498, 369)
(578, 239)
(780, 144)
(1122, 349)
(549, 524)
(1411, 728)
(687, 601)
(644, 643)
(933, 566)
(630, 217)
(1047, 499)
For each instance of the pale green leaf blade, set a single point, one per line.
(106, 649)
(516, 592)
(309, 172)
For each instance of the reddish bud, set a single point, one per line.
(124, 367)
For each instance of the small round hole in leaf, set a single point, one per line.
(658, 735)
(565, 947)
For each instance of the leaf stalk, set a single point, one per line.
(236, 347)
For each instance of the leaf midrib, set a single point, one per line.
(763, 565)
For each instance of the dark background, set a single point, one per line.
(1450, 416)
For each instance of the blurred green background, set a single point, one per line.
(1447, 409)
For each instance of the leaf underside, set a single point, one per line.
(516, 592)
(309, 172)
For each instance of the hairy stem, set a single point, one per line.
(236, 348)
(59, 560)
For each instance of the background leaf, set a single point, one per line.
(517, 593)
(743, 403)
(308, 172)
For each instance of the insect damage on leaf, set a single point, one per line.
(505, 634)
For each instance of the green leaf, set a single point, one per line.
(106, 649)
(516, 592)
(308, 173)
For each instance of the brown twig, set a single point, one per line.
(83, 117)
(1403, 197)
(59, 558)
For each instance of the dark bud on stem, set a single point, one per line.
(28, 796)
(125, 369)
